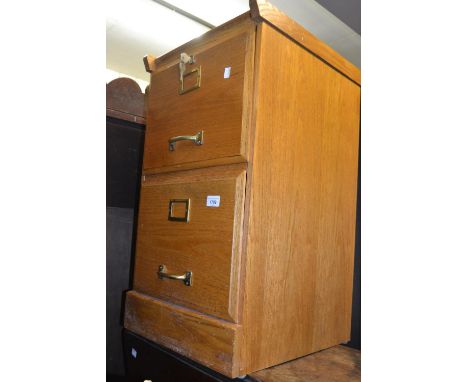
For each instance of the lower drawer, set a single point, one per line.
(180, 234)
(206, 340)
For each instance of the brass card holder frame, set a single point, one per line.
(184, 218)
(186, 59)
(182, 89)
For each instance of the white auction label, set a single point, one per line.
(227, 72)
(213, 200)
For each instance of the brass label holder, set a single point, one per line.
(184, 218)
(186, 59)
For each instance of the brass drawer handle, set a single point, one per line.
(186, 277)
(197, 139)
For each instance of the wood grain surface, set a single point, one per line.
(263, 10)
(208, 245)
(300, 243)
(201, 338)
(274, 264)
(219, 108)
(150, 63)
(213, 37)
(196, 165)
(337, 364)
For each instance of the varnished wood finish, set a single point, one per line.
(208, 245)
(300, 244)
(220, 107)
(201, 338)
(195, 165)
(263, 10)
(275, 266)
(226, 31)
(150, 63)
(337, 364)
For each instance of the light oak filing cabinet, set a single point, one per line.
(245, 238)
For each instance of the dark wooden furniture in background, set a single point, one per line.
(125, 133)
(125, 101)
(125, 110)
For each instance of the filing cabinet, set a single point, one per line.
(245, 237)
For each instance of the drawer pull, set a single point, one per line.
(186, 217)
(186, 277)
(197, 139)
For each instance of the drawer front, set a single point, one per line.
(179, 235)
(204, 339)
(215, 109)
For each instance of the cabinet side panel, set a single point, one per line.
(300, 244)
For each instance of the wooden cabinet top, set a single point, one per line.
(263, 11)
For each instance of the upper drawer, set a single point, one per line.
(218, 105)
(181, 233)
